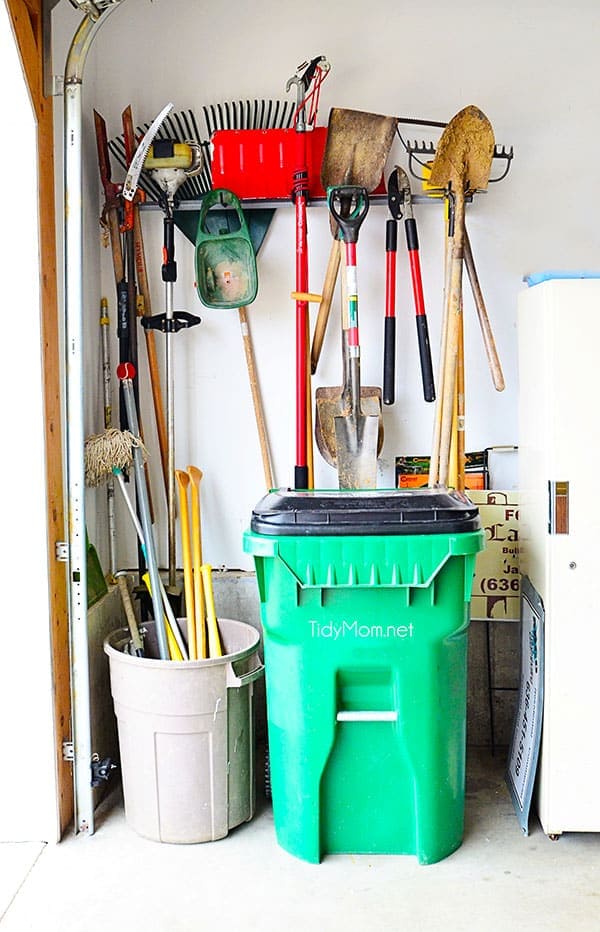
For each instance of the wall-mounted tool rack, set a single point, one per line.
(268, 115)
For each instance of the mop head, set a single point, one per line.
(113, 449)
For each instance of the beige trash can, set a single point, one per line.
(186, 736)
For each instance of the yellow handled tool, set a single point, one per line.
(174, 649)
(215, 648)
(183, 481)
(195, 475)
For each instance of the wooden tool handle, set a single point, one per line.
(484, 321)
(256, 397)
(454, 308)
(136, 640)
(146, 308)
(331, 275)
(115, 244)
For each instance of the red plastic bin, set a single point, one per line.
(260, 163)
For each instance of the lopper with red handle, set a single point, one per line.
(400, 204)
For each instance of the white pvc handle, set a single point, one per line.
(367, 716)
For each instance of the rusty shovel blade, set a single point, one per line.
(357, 147)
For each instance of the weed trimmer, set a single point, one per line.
(170, 164)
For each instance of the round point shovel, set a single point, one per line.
(462, 163)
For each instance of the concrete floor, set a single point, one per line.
(498, 879)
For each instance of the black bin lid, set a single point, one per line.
(285, 512)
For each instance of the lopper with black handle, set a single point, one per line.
(400, 204)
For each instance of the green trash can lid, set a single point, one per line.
(285, 512)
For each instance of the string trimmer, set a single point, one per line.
(170, 164)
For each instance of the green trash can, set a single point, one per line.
(365, 607)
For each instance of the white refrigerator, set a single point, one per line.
(559, 538)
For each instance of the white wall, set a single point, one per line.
(28, 808)
(530, 66)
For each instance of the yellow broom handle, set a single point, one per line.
(195, 475)
(183, 480)
(174, 649)
(214, 641)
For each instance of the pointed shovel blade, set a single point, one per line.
(465, 151)
(356, 439)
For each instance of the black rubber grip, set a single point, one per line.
(391, 236)
(300, 477)
(425, 356)
(389, 361)
(169, 267)
(412, 238)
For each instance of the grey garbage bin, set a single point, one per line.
(186, 736)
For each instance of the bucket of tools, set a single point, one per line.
(186, 735)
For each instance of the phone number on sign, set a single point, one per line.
(491, 584)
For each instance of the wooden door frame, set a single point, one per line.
(27, 17)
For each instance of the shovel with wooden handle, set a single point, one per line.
(331, 402)
(484, 320)
(357, 147)
(462, 163)
(356, 433)
(325, 300)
